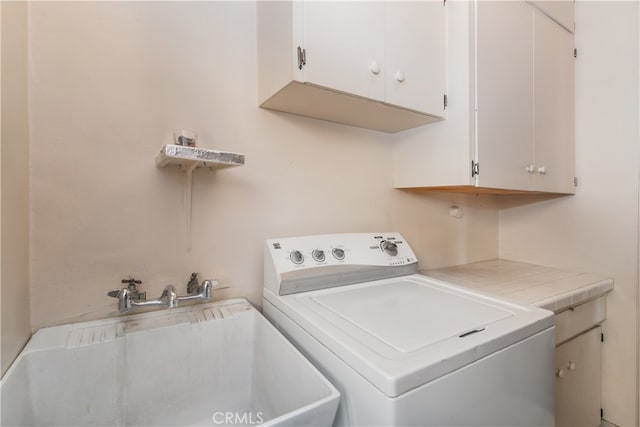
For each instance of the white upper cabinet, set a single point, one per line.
(378, 65)
(510, 125)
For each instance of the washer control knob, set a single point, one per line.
(389, 247)
(296, 257)
(338, 253)
(318, 255)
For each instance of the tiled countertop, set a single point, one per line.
(522, 283)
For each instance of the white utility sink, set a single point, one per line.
(206, 365)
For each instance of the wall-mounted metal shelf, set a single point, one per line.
(190, 159)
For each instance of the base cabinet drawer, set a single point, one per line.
(580, 318)
(578, 380)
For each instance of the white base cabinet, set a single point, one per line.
(578, 380)
(378, 65)
(510, 106)
(578, 363)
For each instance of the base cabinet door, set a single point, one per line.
(578, 380)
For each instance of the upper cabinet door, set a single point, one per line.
(344, 43)
(415, 55)
(504, 86)
(554, 106)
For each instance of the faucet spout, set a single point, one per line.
(124, 300)
(170, 296)
(206, 288)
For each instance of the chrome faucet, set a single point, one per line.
(196, 292)
(129, 297)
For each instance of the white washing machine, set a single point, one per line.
(404, 349)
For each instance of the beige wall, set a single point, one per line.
(14, 182)
(597, 229)
(109, 82)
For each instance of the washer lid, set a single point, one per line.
(408, 316)
(404, 332)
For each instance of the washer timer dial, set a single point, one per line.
(296, 257)
(389, 248)
(318, 255)
(338, 253)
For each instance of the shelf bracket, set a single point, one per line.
(188, 200)
(189, 159)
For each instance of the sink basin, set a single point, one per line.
(211, 364)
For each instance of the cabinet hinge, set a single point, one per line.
(575, 52)
(475, 169)
(575, 181)
(446, 101)
(302, 57)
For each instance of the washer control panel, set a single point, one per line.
(335, 259)
(379, 249)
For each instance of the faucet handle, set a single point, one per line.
(132, 287)
(132, 283)
(192, 286)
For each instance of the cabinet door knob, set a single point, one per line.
(400, 76)
(375, 68)
(571, 366)
(530, 168)
(560, 373)
(542, 170)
